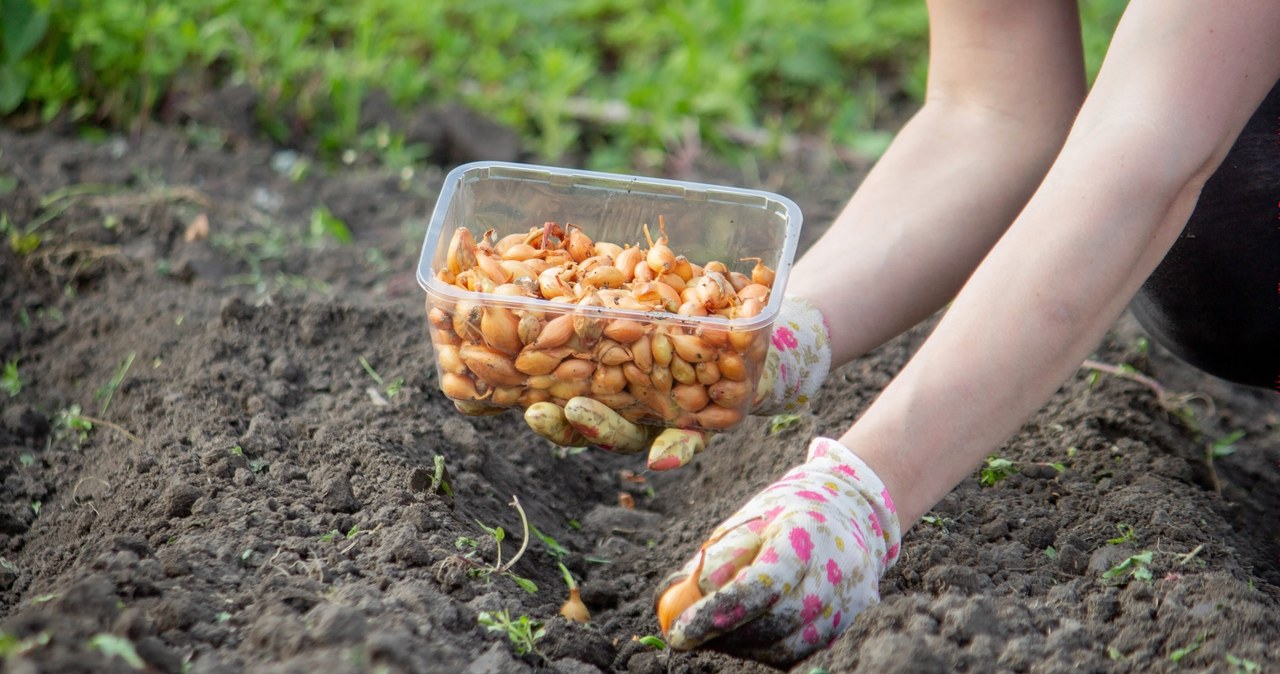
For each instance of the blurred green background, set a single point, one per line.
(613, 84)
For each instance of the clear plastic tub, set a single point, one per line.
(702, 222)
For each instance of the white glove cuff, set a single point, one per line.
(842, 463)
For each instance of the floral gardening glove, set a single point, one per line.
(798, 361)
(807, 560)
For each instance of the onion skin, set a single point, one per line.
(573, 609)
(680, 596)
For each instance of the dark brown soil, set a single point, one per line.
(250, 499)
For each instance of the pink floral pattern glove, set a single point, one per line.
(798, 361)
(807, 560)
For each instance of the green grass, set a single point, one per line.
(551, 69)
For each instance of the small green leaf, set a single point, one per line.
(394, 387)
(372, 372)
(13, 89)
(1127, 534)
(10, 379)
(996, 470)
(112, 645)
(554, 548)
(463, 542)
(24, 25)
(1226, 446)
(653, 642)
(1243, 665)
(1134, 566)
(496, 532)
(440, 479)
(21, 244)
(781, 422)
(524, 583)
(1178, 654)
(324, 223)
(1051, 552)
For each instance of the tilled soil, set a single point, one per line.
(251, 498)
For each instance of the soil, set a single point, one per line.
(250, 498)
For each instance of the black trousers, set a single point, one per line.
(1214, 301)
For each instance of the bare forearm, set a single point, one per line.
(1034, 310)
(920, 222)
(1181, 80)
(1005, 82)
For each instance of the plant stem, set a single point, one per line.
(1126, 374)
(524, 539)
(112, 426)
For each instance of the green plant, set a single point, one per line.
(22, 242)
(781, 422)
(654, 642)
(71, 425)
(107, 391)
(522, 632)
(1226, 445)
(440, 478)
(11, 645)
(558, 552)
(483, 569)
(937, 521)
(24, 25)
(326, 225)
(1127, 534)
(1178, 654)
(10, 380)
(393, 151)
(392, 388)
(111, 645)
(1242, 665)
(1135, 567)
(995, 470)
(638, 79)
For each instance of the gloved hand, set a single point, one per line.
(798, 361)
(796, 564)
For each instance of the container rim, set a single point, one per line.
(426, 273)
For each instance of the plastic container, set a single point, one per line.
(703, 223)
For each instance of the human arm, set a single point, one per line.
(1006, 78)
(1114, 200)
(1179, 83)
